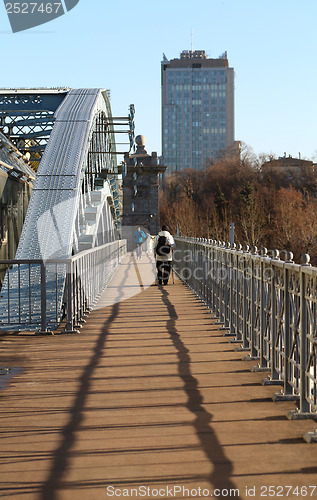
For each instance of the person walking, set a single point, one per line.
(139, 237)
(164, 245)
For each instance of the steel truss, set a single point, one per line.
(27, 118)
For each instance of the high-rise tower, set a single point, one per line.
(197, 109)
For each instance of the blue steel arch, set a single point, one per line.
(73, 165)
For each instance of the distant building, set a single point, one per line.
(292, 169)
(16, 182)
(197, 109)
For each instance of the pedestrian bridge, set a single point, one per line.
(113, 386)
(154, 397)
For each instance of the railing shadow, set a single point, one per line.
(222, 467)
(61, 456)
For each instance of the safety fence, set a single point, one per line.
(267, 303)
(39, 295)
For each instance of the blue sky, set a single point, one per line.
(119, 44)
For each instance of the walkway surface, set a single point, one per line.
(150, 400)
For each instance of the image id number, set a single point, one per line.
(32, 7)
(286, 491)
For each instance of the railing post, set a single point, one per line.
(235, 288)
(217, 281)
(212, 276)
(69, 299)
(303, 411)
(287, 393)
(253, 296)
(227, 287)
(238, 302)
(263, 365)
(192, 263)
(199, 281)
(204, 271)
(208, 279)
(274, 372)
(303, 404)
(43, 299)
(287, 327)
(221, 287)
(245, 342)
(231, 290)
(86, 290)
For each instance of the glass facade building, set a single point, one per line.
(197, 109)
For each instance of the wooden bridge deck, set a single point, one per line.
(148, 399)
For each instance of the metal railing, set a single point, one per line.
(268, 305)
(39, 295)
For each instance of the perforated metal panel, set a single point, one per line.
(57, 209)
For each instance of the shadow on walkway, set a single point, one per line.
(222, 467)
(61, 455)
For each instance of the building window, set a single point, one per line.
(222, 76)
(178, 76)
(170, 77)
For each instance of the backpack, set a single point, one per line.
(163, 247)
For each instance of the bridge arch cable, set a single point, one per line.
(72, 207)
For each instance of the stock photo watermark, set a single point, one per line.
(176, 491)
(29, 14)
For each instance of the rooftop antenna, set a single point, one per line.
(192, 40)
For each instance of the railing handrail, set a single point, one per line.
(61, 260)
(84, 276)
